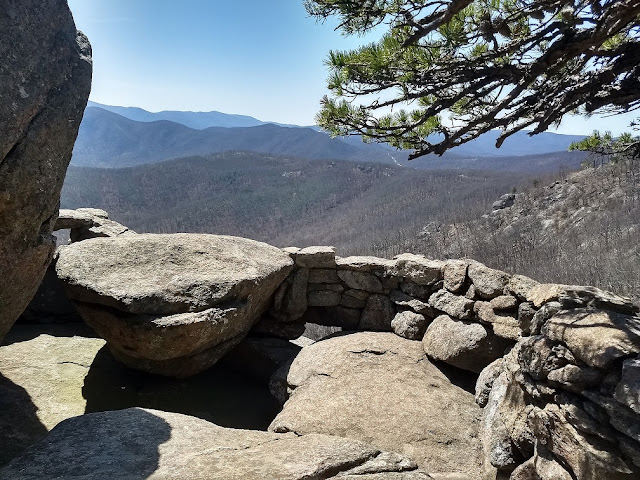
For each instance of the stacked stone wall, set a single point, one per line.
(559, 365)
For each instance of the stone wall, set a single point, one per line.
(560, 365)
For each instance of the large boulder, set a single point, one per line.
(138, 443)
(45, 79)
(171, 304)
(467, 345)
(380, 388)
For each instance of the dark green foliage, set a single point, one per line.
(446, 72)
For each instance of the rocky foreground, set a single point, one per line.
(460, 370)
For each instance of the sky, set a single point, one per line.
(251, 57)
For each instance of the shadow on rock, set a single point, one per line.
(24, 333)
(218, 395)
(124, 445)
(19, 424)
(464, 379)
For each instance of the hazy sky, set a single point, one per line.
(251, 57)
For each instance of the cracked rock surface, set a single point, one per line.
(140, 443)
(381, 389)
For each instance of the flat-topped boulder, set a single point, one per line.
(171, 304)
(380, 388)
(140, 443)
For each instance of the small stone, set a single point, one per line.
(575, 378)
(416, 291)
(507, 324)
(485, 381)
(628, 390)
(547, 311)
(377, 314)
(331, 287)
(100, 228)
(409, 325)
(73, 219)
(455, 275)
(520, 286)
(489, 283)
(323, 298)
(471, 292)
(361, 281)
(504, 302)
(315, 257)
(526, 313)
(364, 264)
(354, 299)
(403, 300)
(323, 275)
(465, 345)
(94, 212)
(296, 299)
(454, 305)
(418, 269)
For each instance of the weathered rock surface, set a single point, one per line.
(41, 382)
(409, 325)
(171, 304)
(86, 223)
(488, 283)
(140, 443)
(49, 373)
(628, 390)
(465, 345)
(597, 337)
(454, 305)
(381, 389)
(45, 79)
(418, 269)
(315, 257)
(572, 296)
(455, 275)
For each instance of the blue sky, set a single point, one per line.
(251, 57)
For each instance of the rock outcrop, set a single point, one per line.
(41, 382)
(560, 394)
(86, 223)
(381, 389)
(45, 79)
(563, 403)
(171, 304)
(139, 443)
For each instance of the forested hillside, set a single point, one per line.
(358, 207)
(582, 229)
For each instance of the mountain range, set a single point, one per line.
(112, 137)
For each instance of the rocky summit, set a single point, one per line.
(171, 304)
(45, 79)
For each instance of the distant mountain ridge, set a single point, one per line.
(197, 120)
(112, 136)
(109, 140)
